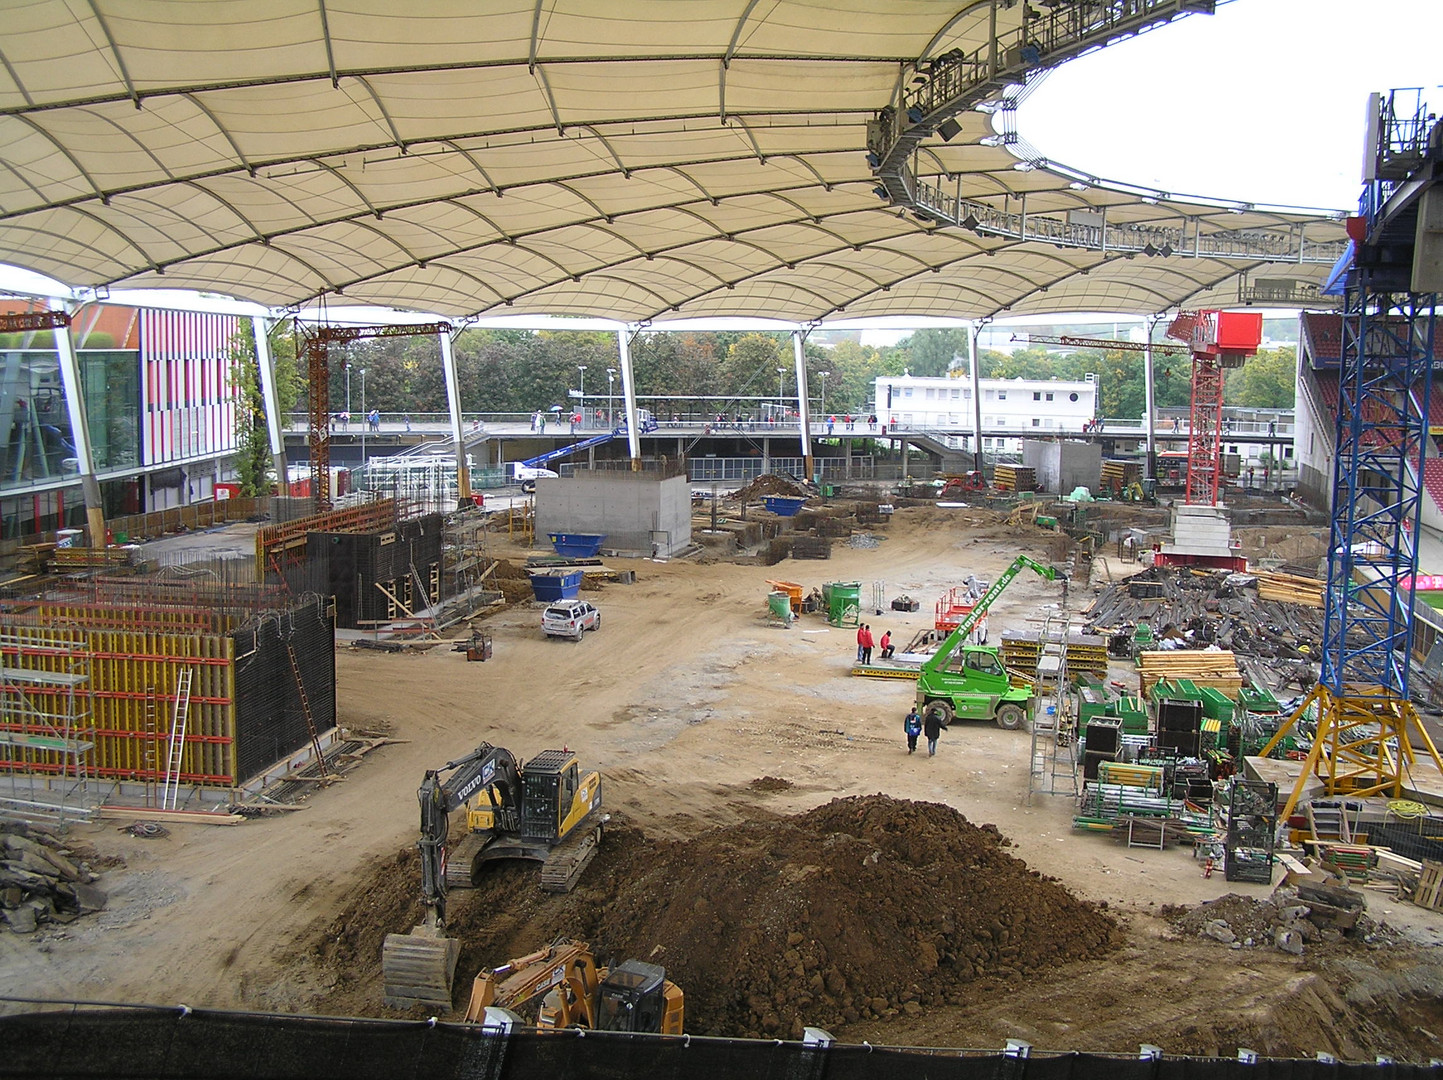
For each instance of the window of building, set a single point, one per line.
(1002, 395)
(1049, 395)
(1000, 421)
(956, 393)
(906, 391)
(931, 393)
(987, 441)
(1036, 422)
(1037, 395)
(967, 392)
(987, 395)
(1287, 451)
(1072, 396)
(1232, 449)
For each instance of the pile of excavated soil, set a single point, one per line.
(768, 484)
(863, 909)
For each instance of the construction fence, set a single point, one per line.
(182, 1043)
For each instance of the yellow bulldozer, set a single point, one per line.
(562, 986)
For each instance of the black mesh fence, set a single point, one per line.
(270, 718)
(179, 1043)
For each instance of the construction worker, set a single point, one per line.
(912, 725)
(886, 643)
(932, 727)
(861, 642)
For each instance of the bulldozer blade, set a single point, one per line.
(418, 968)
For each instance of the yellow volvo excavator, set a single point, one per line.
(561, 986)
(545, 810)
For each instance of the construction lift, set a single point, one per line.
(1367, 727)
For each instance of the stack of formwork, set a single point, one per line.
(1117, 475)
(186, 684)
(1015, 478)
(378, 577)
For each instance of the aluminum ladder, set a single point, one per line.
(170, 787)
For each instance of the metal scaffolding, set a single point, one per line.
(47, 738)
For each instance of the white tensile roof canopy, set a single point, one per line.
(640, 160)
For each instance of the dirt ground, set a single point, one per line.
(723, 742)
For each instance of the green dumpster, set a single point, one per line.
(844, 602)
(780, 605)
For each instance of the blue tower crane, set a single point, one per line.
(1367, 727)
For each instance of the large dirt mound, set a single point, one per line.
(864, 908)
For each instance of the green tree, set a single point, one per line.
(930, 352)
(1265, 381)
(252, 462)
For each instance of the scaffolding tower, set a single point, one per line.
(1367, 726)
(46, 735)
(1053, 769)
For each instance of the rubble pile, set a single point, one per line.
(1289, 919)
(42, 880)
(1196, 610)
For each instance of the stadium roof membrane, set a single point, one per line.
(639, 160)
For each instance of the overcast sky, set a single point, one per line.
(1261, 102)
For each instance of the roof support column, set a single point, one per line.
(803, 407)
(80, 430)
(628, 397)
(972, 329)
(265, 362)
(453, 403)
(1147, 382)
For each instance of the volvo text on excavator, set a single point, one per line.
(545, 810)
(562, 986)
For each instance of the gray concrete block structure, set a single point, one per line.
(640, 513)
(1063, 466)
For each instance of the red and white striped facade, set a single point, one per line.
(187, 393)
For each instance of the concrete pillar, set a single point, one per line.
(976, 372)
(80, 432)
(803, 408)
(453, 403)
(628, 396)
(266, 364)
(766, 454)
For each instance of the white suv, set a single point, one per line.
(570, 618)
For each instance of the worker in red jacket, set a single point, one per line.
(861, 642)
(867, 643)
(887, 648)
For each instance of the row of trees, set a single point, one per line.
(520, 371)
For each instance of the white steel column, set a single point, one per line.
(1147, 382)
(80, 431)
(453, 403)
(972, 329)
(265, 362)
(628, 395)
(803, 407)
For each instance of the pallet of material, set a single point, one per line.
(1289, 588)
(1216, 669)
(1015, 478)
(1430, 886)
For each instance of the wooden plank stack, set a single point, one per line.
(1117, 475)
(1216, 669)
(1289, 588)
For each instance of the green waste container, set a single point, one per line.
(844, 602)
(779, 604)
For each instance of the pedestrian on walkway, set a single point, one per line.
(932, 727)
(867, 644)
(406, 419)
(912, 725)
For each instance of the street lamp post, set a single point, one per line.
(610, 409)
(582, 368)
(824, 375)
(348, 395)
(365, 417)
(781, 401)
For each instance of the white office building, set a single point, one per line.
(1012, 409)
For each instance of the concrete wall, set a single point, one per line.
(636, 511)
(1063, 466)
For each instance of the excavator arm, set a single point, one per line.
(485, 767)
(943, 656)
(568, 967)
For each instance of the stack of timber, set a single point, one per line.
(1290, 588)
(1208, 608)
(1117, 475)
(1015, 478)
(1202, 668)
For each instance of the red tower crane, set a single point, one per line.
(1218, 340)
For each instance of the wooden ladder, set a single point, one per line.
(306, 709)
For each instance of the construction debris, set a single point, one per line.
(1193, 609)
(42, 880)
(862, 540)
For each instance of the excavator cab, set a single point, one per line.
(636, 996)
(556, 795)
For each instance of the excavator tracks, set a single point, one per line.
(461, 860)
(564, 866)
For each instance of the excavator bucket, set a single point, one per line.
(418, 968)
